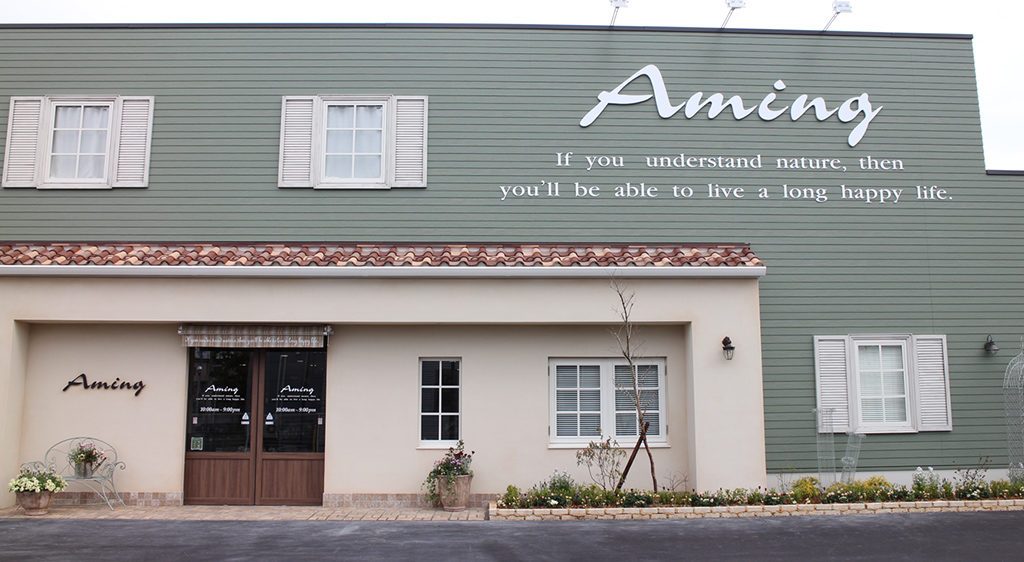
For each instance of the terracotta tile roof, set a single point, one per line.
(407, 255)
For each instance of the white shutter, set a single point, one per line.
(131, 156)
(410, 141)
(295, 168)
(932, 374)
(830, 369)
(21, 155)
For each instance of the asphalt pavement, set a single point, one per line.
(935, 536)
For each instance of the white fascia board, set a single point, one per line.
(348, 272)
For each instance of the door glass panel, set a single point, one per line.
(293, 401)
(220, 400)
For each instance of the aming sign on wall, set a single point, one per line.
(716, 103)
(888, 188)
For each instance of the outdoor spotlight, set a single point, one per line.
(990, 346)
(728, 349)
(733, 5)
(617, 4)
(838, 7)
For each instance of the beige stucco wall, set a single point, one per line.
(119, 326)
(373, 384)
(14, 338)
(148, 430)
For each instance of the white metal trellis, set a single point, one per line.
(849, 460)
(1013, 404)
(826, 446)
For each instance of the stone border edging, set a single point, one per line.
(782, 510)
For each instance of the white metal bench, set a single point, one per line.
(100, 481)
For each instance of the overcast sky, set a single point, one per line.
(996, 26)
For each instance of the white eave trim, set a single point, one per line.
(347, 272)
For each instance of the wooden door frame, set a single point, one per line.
(256, 456)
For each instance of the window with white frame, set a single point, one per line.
(81, 139)
(440, 388)
(352, 142)
(68, 142)
(883, 383)
(591, 399)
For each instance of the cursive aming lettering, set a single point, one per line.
(118, 384)
(716, 104)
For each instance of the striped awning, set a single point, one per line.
(253, 335)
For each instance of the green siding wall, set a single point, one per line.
(503, 102)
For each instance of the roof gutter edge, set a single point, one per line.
(380, 272)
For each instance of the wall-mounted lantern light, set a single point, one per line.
(990, 346)
(728, 349)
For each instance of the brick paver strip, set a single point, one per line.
(249, 513)
(317, 513)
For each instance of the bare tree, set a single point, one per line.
(625, 335)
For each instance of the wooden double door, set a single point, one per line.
(255, 427)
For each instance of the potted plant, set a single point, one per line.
(86, 457)
(448, 482)
(35, 489)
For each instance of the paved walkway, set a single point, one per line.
(249, 513)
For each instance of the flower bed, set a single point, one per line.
(782, 510)
(559, 497)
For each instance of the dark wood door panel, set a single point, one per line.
(291, 481)
(218, 480)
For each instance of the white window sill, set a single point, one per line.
(626, 447)
(875, 430)
(436, 445)
(73, 186)
(351, 186)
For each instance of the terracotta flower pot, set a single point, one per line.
(35, 503)
(456, 497)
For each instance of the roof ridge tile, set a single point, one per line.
(380, 255)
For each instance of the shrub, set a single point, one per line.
(512, 498)
(755, 497)
(806, 490)
(638, 498)
(772, 497)
(594, 496)
(947, 490)
(1001, 489)
(708, 499)
(672, 497)
(557, 491)
(969, 483)
(604, 458)
(927, 485)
